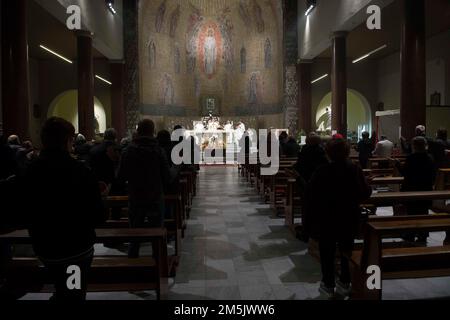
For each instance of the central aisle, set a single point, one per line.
(234, 250)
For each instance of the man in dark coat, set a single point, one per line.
(332, 212)
(419, 172)
(311, 157)
(291, 148)
(64, 207)
(365, 148)
(104, 157)
(145, 167)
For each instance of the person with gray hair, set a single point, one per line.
(14, 140)
(82, 148)
(15, 144)
(384, 148)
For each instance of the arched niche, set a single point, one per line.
(65, 106)
(359, 115)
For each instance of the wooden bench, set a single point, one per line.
(380, 172)
(386, 199)
(278, 190)
(173, 226)
(387, 181)
(398, 263)
(108, 273)
(392, 198)
(292, 205)
(442, 184)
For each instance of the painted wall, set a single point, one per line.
(230, 51)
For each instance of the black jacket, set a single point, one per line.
(437, 149)
(333, 198)
(101, 162)
(419, 172)
(365, 149)
(145, 167)
(291, 149)
(7, 161)
(63, 205)
(310, 158)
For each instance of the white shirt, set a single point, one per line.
(384, 149)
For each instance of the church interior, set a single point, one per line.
(136, 137)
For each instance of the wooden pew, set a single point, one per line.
(108, 273)
(292, 203)
(174, 226)
(398, 263)
(278, 190)
(376, 161)
(442, 183)
(387, 181)
(380, 172)
(392, 198)
(387, 199)
(394, 183)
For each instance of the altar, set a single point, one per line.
(218, 140)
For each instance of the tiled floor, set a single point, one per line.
(234, 250)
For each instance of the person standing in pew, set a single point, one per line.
(365, 148)
(64, 208)
(438, 149)
(384, 149)
(145, 167)
(311, 157)
(332, 213)
(104, 159)
(173, 187)
(419, 172)
(291, 148)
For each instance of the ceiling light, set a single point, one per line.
(369, 54)
(320, 78)
(103, 79)
(55, 54)
(310, 4)
(110, 5)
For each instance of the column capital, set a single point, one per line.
(84, 33)
(339, 34)
(117, 61)
(305, 61)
